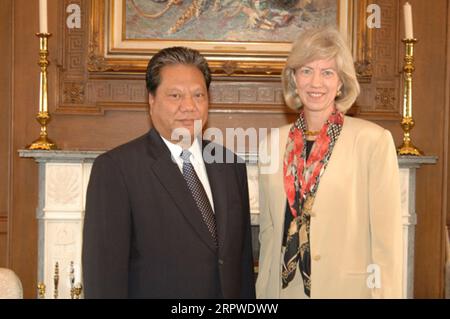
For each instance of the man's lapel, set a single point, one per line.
(172, 180)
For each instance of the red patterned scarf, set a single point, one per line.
(301, 180)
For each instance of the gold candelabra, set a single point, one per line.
(407, 123)
(43, 116)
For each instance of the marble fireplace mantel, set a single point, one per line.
(63, 180)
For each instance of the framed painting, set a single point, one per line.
(239, 38)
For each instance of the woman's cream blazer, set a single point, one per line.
(356, 230)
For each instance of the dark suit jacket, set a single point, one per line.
(144, 236)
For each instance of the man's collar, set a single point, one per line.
(176, 149)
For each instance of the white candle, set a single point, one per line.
(408, 21)
(43, 27)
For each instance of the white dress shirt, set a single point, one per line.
(196, 161)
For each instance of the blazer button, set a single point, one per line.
(316, 257)
(220, 262)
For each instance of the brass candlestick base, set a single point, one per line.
(408, 148)
(43, 142)
(41, 290)
(43, 117)
(77, 290)
(407, 123)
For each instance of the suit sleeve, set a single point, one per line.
(106, 232)
(248, 277)
(385, 218)
(265, 230)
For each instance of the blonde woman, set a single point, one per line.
(330, 224)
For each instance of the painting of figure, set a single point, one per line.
(225, 20)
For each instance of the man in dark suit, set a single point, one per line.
(162, 222)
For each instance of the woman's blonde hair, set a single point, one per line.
(321, 44)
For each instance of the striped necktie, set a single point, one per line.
(199, 194)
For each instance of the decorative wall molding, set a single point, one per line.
(385, 99)
(73, 93)
(63, 242)
(90, 84)
(63, 187)
(379, 99)
(363, 51)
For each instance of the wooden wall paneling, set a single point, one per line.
(4, 240)
(430, 22)
(447, 126)
(23, 226)
(5, 123)
(379, 98)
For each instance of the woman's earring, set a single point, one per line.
(338, 93)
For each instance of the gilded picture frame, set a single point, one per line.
(112, 50)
